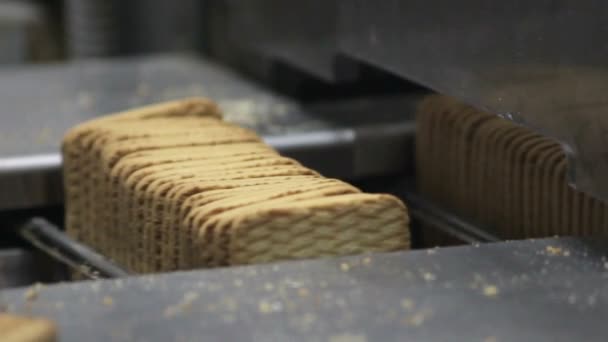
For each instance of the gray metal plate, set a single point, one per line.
(539, 63)
(41, 103)
(544, 290)
(277, 30)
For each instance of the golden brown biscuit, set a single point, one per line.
(77, 165)
(216, 236)
(160, 188)
(503, 176)
(25, 329)
(338, 225)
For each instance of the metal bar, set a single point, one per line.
(424, 210)
(49, 239)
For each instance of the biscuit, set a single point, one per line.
(25, 329)
(321, 227)
(173, 187)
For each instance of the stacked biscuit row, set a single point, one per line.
(499, 175)
(172, 186)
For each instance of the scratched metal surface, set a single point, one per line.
(544, 290)
(40, 103)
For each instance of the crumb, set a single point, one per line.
(490, 291)
(303, 292)
(490, 339)
(553, 250)
(230, 304)
(407, 304)
(189, 297)
(417, 318)
(30, 294)
(367, 261)
(431, 251)
(344, 267)
(184, 305)
(238, 283)
(264, 307)
(567, 253)
(33, 292)
(268, 287)
(108, 301)
(429, 276)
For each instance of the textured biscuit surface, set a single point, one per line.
(500, 175)
(25, 329)
(172, 186)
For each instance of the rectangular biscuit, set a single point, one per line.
(167, 187)
(337, 225)
(25, 329)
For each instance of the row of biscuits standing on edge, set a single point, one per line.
(464, 154)
(154, 207)
(107, 140)
(81, 169)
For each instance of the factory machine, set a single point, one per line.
(486, 119)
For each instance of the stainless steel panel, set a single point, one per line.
(302, 34)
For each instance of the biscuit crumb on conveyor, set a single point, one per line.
(172, 186)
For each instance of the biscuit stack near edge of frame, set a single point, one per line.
(502, 176)
(172, 186)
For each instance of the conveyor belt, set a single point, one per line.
(543, 290)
